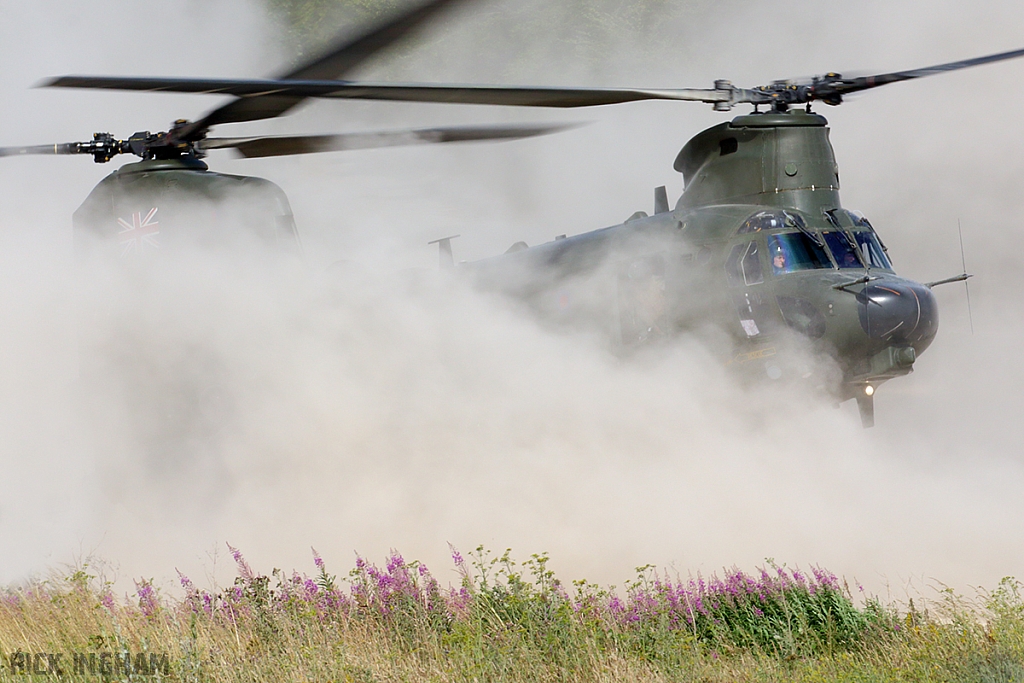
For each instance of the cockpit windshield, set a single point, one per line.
(794, 251)
(872, 250)
(842, 249)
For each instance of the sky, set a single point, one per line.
(387, 408)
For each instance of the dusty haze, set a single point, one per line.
(369, 410)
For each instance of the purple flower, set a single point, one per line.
(395, 562)
(243, 567)
(147, 597)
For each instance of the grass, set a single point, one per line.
(506, 622)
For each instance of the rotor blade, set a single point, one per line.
(408, 92)
(341, 59)
(60, 148)
(252, 147)
(866, 82)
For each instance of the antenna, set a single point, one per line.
(661, 200)
(963, 262)
(444, 251)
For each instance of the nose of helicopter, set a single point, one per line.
(899, 312)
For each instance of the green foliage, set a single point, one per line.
(517, 622)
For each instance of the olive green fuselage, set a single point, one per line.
(758, 245)
(167, 205)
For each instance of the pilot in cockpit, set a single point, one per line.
(779, 260)
(850, 260)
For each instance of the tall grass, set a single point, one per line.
(504, 621)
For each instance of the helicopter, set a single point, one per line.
(171, 199)
(758, 245)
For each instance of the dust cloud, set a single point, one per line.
(377, 404)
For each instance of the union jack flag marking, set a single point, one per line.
(139, 233)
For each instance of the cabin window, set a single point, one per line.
(794, 251)
(842, 249)
(872, 250)
(744, 265)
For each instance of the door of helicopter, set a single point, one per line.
(744, 269)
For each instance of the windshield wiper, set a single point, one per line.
(799, 224)
(814, 237)
(856, 250)
(830, 216)
(850, 242)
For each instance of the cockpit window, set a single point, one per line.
(857, 218)
(744, 265)
(792, 251)
(842, 249)
(769, 220)
(762, 220)
(872, 250)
